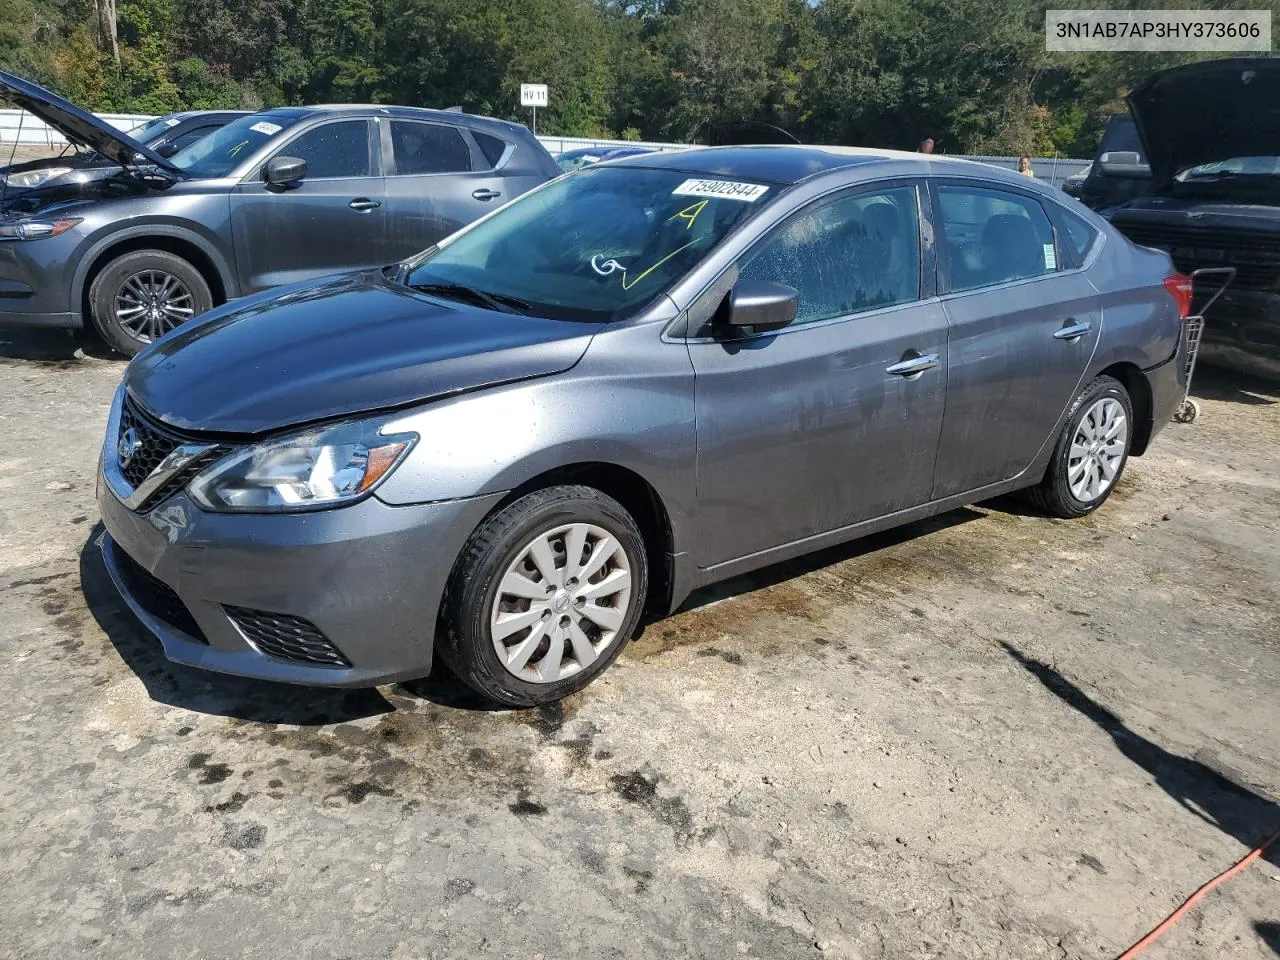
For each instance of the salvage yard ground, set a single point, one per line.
(988, 735)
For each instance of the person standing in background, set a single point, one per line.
(926, 145)
(1024, 166)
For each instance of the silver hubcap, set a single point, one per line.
(151, 303)
(1098, 450)
(561, 603)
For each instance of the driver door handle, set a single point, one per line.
(485, 194)
(912, 367)
(1072, 330)
(364, 204)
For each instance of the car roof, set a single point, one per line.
(455, 117)
(788, 164)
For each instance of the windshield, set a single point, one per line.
(217, 154)
(152, 128)
(594, 245)
(1246, 166)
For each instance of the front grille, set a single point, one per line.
(155, 596)
(1256, 256)
(286, 637)
(154, 442)
(182, 477)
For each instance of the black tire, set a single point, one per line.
(1053, 494)
(111, 282)
(464, 639)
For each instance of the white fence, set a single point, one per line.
(18, 126)
(1052, 170)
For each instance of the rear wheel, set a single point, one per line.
(140, 296)
(1091, 452)
(545, 595)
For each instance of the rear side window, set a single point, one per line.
(428, 148)
(993, 236)
(333, 151)
(853, 254)
(492, 147)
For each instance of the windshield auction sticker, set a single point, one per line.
(724, 189)
(268, 129)
(1168, 30)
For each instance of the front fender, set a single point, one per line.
(199, 236)
(628, 403)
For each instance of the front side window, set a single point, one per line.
(846, 256)
(428, 148)
(994, 236)
(594, 246)
(333, 150)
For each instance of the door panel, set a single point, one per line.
(433, 191)
(806, 430)
(333, 220)
(1009, 377)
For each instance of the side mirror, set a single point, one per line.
(1123, 163)
(283, 171)
(761, 305)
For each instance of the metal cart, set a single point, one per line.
(1192, 330)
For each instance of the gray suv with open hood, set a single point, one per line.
(271, 198)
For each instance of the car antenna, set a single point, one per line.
(4, 181)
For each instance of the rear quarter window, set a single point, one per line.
(1076, 237)
(492, 147)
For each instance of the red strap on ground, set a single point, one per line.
(1191, 901)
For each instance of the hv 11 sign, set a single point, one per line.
(533, 94)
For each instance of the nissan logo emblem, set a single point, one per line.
(128, 446)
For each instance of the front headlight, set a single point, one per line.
(33, 178)
(319, 468)
(36, 229)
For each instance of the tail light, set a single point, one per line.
(1179, 287)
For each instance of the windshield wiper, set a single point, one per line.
(459, 291)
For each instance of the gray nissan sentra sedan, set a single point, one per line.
(633, 381)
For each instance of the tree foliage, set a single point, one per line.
(972, 74)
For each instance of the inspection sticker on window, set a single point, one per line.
(725, 189)
(172, 122)
(268, 129)
(1050, 261)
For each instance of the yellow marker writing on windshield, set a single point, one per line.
(689, 214)
(628, 284)
(237, 148)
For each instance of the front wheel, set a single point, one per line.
(1091, 451)
(546, 593)
(140, 296)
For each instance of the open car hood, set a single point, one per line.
(1206, 112)
(77, 125)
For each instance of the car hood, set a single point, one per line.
(347, 345)
(1194, 212)
(75, 124)
(1205, 112)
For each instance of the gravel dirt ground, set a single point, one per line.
(988, 735)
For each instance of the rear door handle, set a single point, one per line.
(364, 204)
(485, 194)
(1072, 330)
(912, 367)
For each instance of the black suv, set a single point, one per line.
(1211, 132)
(272, 198)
